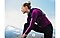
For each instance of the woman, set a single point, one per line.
(36, 21)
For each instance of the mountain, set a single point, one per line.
(13, 32)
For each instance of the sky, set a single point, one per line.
(14, 16)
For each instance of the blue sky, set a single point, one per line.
(48, 6)
(45, 5)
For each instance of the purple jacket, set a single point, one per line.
(36, 15)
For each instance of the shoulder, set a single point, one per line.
(35, 10)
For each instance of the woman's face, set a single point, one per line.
(24, 9)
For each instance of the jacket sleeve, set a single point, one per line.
(33, 19)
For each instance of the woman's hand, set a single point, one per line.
(24, 35)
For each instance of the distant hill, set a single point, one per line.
(12, 32)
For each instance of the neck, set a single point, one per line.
(28, 11)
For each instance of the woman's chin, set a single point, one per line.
(24, 13)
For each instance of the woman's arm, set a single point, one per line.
(33, 19)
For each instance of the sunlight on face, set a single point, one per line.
(24, 9)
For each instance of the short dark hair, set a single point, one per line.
(28, 5)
